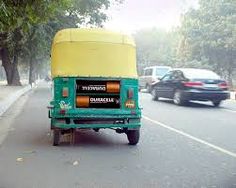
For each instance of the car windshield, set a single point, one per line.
(200, 74)
(160, 72)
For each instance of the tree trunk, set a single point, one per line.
(6, 63)
(15, 72)
(11, 69)
(31, 71)
(230, 78)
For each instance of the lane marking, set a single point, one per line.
(222, 150)
(227, 110)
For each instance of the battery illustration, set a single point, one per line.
(98, 101)
(98, 86)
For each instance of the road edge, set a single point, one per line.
(6, 103)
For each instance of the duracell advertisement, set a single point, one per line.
(84, 86)
(106, 101)
(108, 94)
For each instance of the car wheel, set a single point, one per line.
(216, 103)
(149, 88)
(56, 137)
(154, 94)
(133, 136)
(178, 98)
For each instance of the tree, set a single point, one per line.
(209, 35)
(156, 47)
(27, 27)
(78, 13)
(15, 19)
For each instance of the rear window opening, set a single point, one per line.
(160, 72)
(97, 94)
(200, 74)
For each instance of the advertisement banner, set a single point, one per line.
(106, 101)
(84, 86)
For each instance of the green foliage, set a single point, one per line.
(210, 33)
(206, 39)
(156, 47)
(27, 27)
(22, 14)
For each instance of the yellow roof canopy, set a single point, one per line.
(93, 53)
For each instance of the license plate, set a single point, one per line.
(211, 85)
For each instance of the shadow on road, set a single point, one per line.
(200, 105)
(91, 138)
(191, 104)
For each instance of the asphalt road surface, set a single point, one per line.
(180, 147)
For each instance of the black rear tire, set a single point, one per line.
(133, 136)
(154, 95)
(149, 88)
(216, 103)
(178, 98)
(56, 137)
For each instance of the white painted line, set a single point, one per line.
(222, 150)
(227, 110)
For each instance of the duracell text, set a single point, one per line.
(98, 101)
(84, 86)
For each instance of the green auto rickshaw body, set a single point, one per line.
(95, 83)
(65, 114)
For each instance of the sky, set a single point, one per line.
(134, 15)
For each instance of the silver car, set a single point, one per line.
(152, 75)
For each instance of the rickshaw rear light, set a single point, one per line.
(130, 104)
(130, 94)
(62, 111)
(65, 92)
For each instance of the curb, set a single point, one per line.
(5, 104)
(233, 95)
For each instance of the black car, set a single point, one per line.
(183, 85)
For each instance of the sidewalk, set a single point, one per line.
(9, 94)
(233, 95)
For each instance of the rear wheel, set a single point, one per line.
(56, 137)
(216, 103)
(154, 94)
(133, 136)
(178, 98)
(149, 88)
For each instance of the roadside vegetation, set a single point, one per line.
(27, 28)
(205, 39)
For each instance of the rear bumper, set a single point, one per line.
(95, 119)
(206, 95)
(91, 123)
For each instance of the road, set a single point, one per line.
(180, 147)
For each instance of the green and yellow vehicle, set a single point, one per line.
(95, 83)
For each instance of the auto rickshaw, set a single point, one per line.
(95, 83)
